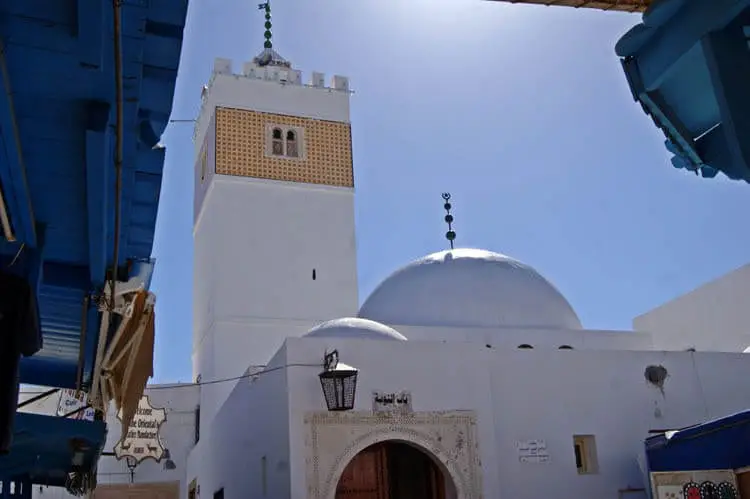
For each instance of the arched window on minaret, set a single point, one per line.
(291, 144)
(277, 142)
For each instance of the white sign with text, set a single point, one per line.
(72, 402)
(142, 440)
(532, 451)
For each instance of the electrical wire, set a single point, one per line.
(234, 378)
(217, 381)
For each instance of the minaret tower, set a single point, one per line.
(273, 214)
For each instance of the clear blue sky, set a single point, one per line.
(521, 112)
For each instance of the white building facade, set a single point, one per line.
(475, 379)
(713, 317)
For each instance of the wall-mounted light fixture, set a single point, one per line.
(339, 383)
(168, 463)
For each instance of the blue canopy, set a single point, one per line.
(721, 444)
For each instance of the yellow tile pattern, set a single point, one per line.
(240, 149)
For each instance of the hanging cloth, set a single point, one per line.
(20, 335)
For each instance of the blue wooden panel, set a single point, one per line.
(688, 64)
(61, 73)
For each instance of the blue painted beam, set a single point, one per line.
(90, 33)
(98, 192)
(728, 59)
(666, 41)
(688, 64)
(13, 169)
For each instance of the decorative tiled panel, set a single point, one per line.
(333, 439)
(241, 148)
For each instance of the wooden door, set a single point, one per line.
(412, 474)
(366, 476)
(743, 483)
(167, 490)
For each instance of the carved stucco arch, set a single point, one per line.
(417, 438)
(449, 438)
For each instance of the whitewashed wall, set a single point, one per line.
(256, 247)
(508, 337)
(532, 394)
(713, 317)
(245, 449)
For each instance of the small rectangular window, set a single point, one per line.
(197, 424)
(204, 164)
(263, 476)
(584, 448)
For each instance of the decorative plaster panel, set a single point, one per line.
(241, 148)
(333, 439)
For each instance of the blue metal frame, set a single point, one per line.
(56, 154)
(57, 175)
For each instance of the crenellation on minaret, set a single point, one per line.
(277, 88)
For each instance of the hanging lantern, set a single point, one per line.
(339, 383)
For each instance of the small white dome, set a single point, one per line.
(354, 327)
(469, 288)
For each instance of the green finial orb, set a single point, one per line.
(267, 34)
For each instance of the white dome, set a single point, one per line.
(354, 327)
(469, 288)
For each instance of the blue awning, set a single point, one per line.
(47, 448)
(716, 445)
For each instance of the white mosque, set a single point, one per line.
(474, 376)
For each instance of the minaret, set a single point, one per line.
(273, 214)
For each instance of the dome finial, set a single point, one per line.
(267, 34)
(451, 234)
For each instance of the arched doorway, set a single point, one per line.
(393, 470)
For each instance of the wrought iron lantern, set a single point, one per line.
(339, 383)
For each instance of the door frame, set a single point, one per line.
(448, 437)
